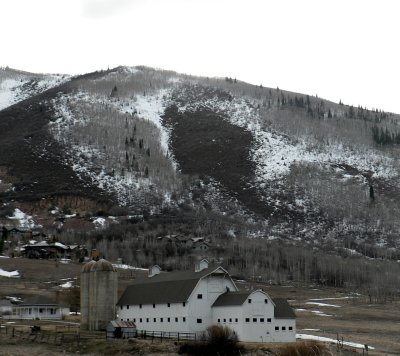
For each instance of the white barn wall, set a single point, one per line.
(211, 287)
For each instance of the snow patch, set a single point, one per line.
(124, 266)
(23, 220)
(66, 285)
(327, 339)
(13, 274)
(323, 304)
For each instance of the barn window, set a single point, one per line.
(169, 305)
(290, 328)
(141, 320)
(184, 319)
(230, 320)
(127, 319)
(140, 306)
(121, 307)
(168, 319)
(284, 328)
(249, 301)
(219, 320)
(199, 321)
(154, 305)
(199, 296)
(184, 304)
(236, 320)
(269, 320)
(127, 307)
(261, 320)
(176, 320)
(40, 310)
(147, 320)
(134, 320)
(276, 328)
(266, 301)
(254, 320)
(161, 320)
(247, 320)
(154, 319)
(224, 320)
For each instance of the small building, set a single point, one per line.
(39, 307)
(118, 329)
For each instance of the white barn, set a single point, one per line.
(190, 301)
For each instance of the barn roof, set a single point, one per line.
(283, 310)
(174, 287)
(231, 298)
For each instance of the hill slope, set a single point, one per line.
(281, 164)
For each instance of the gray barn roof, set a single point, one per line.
(283, 310)
(173, 287)
(231, 298)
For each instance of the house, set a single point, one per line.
(190, 301)
(53, 250)
(39, 307)
(192, 244)
(120, 329)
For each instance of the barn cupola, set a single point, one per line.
(199, 266)
(154, 270)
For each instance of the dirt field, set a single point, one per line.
(348, 316)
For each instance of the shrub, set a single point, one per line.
(218, 340)
(304, 348)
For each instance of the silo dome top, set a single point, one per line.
(102, 265)
(86, 268)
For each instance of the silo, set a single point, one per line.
(98, 295)
(85, 290)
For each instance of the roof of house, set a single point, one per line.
(38, 300)
(283, 310)
(173, 287)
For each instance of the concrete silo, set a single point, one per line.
(99, 283)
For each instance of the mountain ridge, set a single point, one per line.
(147, 141)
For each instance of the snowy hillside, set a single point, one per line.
(276, 164)
(16, 86)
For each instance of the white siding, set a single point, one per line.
(256, 322)
(209, 287)
(144, 317)
(253, 322)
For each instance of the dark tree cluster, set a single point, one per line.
(385, 136)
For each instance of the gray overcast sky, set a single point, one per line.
(338, 49)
